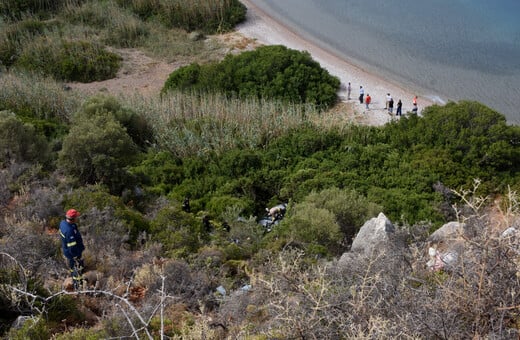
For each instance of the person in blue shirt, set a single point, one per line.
(72, 246)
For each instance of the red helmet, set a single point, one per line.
(72, 213)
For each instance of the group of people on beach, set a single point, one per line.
(389, 101)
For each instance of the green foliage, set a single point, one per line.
(395, 166)
(136, 125)
(34, 97)
(98, 150)
(308, 225)
(64, 308)
(179, 232)
(96, 197)
(16, 35)
(81, 61)
(274, 72)
(81, 334)
(18, 8)
(20, 142)
(210, 16)
(350, 209)
(32, 329)
(219, 204)
(160, 172)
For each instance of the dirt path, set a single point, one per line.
(138, 74)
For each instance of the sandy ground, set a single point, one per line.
(267, 31)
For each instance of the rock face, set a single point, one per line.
(445, 246)
(450, 230)
(373, 235)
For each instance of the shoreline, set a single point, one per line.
(262, 27)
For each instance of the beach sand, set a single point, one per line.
(267, 31)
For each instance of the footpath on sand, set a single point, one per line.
(266, 30)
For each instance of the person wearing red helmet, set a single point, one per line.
(72, 246)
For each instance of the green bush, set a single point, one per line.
(310, 227)
(136, 125)
(179, 232)
(81, 334)
(219, 204)
(350, 209)
(274, 72)
(20, 142)
(96, 198)
(36, 329)
(81, 61)
(64, 308)
(98, 150)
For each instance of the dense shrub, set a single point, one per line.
(136, 125)
(18, 8)
(395, 166)
(98, 150)
(32, 329)
(20, 142)
(81, 61)
(179, 232)
(350, 209)
(211, 16)
(106, 216)
(268, 72)
(312, 228)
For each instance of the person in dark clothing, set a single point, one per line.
(186, 204)
(206, 224)
(399, 108)
(72, 246)
(390, 106)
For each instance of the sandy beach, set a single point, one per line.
(267, 31)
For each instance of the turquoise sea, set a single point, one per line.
(447, 50)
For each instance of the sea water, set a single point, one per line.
(446, 50)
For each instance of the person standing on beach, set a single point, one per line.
(388, 97)
(367, 101)
(399, 108)
(415, 109)
(361, 94)
(349, 88)
(391, 105)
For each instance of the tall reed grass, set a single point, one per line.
(118, 27)
(207, 15)
(19, 8)
(193, 124)
(36, 96)
(210, 16)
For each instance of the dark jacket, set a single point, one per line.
(71, 240)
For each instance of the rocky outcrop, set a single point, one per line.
(446, 245)
(374, 235)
